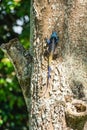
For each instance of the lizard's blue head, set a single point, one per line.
(54, 35)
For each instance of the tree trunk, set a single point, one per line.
(63, 105)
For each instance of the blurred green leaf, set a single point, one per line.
(1, 121)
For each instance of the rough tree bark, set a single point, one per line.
(64, 105)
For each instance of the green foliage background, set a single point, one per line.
(13, 113)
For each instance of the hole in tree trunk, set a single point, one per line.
(79, 107)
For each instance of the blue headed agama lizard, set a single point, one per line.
(52, 42)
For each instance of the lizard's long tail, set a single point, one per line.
(49, 62)
(51, 57)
